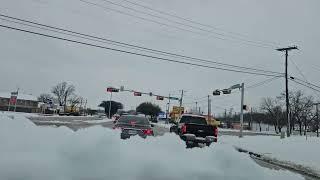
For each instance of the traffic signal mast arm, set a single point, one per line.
(139, 93)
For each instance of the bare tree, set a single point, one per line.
(63, 91)
(300, 109)
(274, 110)
(74, 101)
(44, 97)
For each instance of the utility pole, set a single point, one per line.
(180, 104)
(250, 124)
(15, 104)
(168, 110)
(317, 115)
(225, 118)
(196, 106)
(287, 91)
(209, 108)
(241, 110)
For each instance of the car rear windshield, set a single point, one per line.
(133, 119)
(192, 119)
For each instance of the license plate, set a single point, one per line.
(132, 132)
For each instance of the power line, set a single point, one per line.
(306, 82)
(163, 24)
(154, 57)
(263, 82)
(317, 90)
(121, 44)
(188, 20)
(300, 72)
(183, 24)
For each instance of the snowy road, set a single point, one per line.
(75, 124)
(98, 153)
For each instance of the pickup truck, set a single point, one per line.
(195, 130)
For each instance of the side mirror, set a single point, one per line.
(114, 122)
(152, 125)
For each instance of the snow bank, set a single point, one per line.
(31, 152)
(295, 149)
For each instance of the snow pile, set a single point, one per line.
(294, 149)
(31, 152)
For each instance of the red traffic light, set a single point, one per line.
(160, 97)
(112, 90)
(137, 93)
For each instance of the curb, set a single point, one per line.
(303, 170)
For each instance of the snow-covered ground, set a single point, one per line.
(255, 132)
(294, 149)
(31, 152)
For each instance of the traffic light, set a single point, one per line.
(160, 97)
(150, 94)
(216, 92)
(226, 91)
(245, 107)
(110, 89)
(137, 93)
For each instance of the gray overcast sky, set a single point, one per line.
(35, 63)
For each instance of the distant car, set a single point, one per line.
(132, 125)
(116, 118)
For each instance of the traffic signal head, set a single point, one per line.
(159, 97)
(245, 107)
(226, 91)
(137, 93)
(110, 89)
(216, 93)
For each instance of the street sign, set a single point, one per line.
(137, 93)
(174, 98)
(13, 98)
(160, 97)
(236, 86)
(175, 110)
(111, 89)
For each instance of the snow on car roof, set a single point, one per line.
(20, 96)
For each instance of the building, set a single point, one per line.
(25, 103)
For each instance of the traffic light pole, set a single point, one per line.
(110, 105)
(241, 111)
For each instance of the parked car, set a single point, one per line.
(132, 125)
(195, 130)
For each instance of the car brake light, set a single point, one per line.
(147, 131)
(184, 129)
(215, 131)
